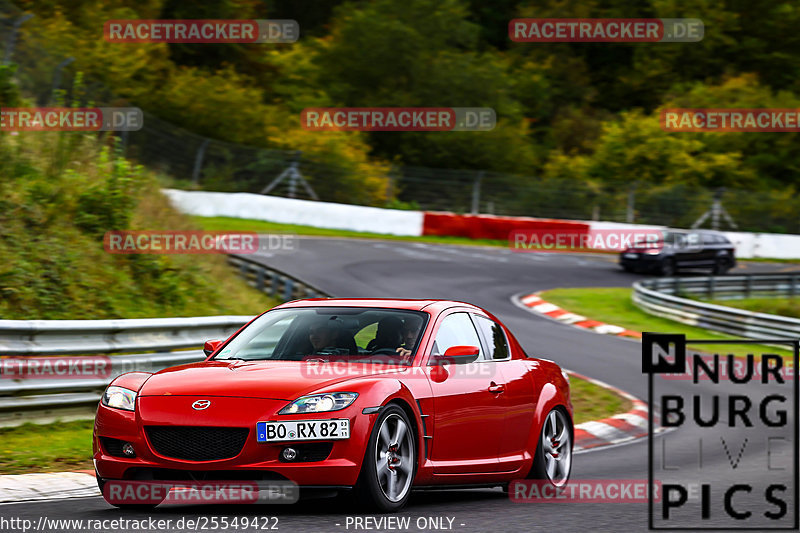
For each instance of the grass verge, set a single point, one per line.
(69, 444)
(46, 448)
(614, 306)
(593, 402)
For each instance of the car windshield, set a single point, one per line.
(343, 334)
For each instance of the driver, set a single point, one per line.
(389, 337)
(411, 329)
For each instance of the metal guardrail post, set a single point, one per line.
(792, 285)
(273, 284)
(748, 288)
(260, 279)
(288, 289)
(711, 287)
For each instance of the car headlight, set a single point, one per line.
(119, 398)
(653, 251)
(320, 403)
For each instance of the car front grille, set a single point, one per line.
(197, 443)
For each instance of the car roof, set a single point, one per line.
(432, 306)
(698, 230)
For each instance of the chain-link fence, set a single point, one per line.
(194, 161)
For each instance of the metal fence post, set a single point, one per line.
(629, 211)
(748, 286)
(792, 285)
(57, 76)
(476, 193)
(12, 37)
(711, 284)
(198, 161)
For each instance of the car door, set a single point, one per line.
(518, 398)
(688, 250)
(468, 403)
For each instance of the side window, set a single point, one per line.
(709, 239)
(456, 330)
(495, 338)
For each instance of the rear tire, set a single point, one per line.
(390, 462)
(668, 267)
(721, 266)
(553, 458)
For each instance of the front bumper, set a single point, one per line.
(642, 262)
(256, 460)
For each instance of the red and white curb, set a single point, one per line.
(617, 429)
(535, 303)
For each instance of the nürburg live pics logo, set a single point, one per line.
(727, 458)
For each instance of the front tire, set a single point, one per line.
(553, 458)
(390, 462)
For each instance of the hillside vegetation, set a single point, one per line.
(579, 116)
(59, 194)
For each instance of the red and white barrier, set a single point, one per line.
(292, 211)
(416, 223)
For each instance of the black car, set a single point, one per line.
(682, 249)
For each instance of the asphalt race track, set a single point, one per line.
(488, 277)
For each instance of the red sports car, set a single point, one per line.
(379, 396)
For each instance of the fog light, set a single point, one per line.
(289, 454)
(128, 450)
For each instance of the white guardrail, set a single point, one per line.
(149, 344)
(664, 297)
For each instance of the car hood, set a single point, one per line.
(277, 380)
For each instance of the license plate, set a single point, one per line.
(630, 256)
(293, 430)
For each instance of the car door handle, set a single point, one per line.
(495, 388)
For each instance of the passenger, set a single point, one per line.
(330, 338)
(323, 335)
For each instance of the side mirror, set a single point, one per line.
(211, 346)
(458, 355)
